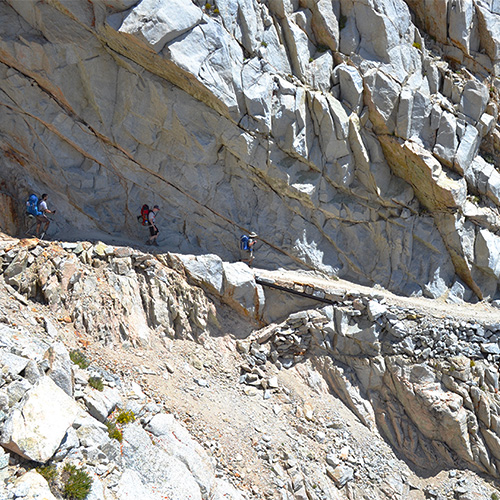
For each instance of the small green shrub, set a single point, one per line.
(49, 472)
(76, 483)
(494, 496)
(342, 22)
(264, 44)
(79, 359)
(489, 158)
(96, 383)
(216, 11)
(125, 417)
(114, 432)
(472, 363)
(417, 45)
(208, 6)
(311, 59)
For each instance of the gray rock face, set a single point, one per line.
(60, 367)
(245, 117)
(167, 474)
(176, 441)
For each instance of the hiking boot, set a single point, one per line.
(148, 242)
(155, 244)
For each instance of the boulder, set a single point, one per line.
(475, 97)
(241, 291)
(33, 486)
(204, 270)
(446, 140)
(101, 404)
(60, 367)
(10, 364)
(324, 22)
(36, 428)
(382, 97)
(158, 22)
(351, 86)
(258, 89)
(487, 252)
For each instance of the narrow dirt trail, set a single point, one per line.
(482, 312)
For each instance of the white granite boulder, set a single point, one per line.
(36, 428)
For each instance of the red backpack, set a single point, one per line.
(144, 217)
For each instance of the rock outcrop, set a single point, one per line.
(350, 139)
(428, 385)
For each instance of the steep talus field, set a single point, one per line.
(359, 358)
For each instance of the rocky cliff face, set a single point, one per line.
(358, 138)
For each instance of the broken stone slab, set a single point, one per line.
(375, 310)
(446, 140)
(241, 290)
(10, 364)
(101, 404)
(60, 367)
(340, 475)
(475, 96)
(351, 86)
(467, 149)
(90, 432)
(36, 428)
(487, 252)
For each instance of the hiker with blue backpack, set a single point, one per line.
(247, 243)
(38, 208)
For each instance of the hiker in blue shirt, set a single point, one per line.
(246, 248)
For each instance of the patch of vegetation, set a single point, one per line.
(76, 483)
(264, 44)
(494, 496)
(311, 59)
(114, 432)
(211, 9)
(417, 45)
(342, 22)
(48, 472)
(96, 383)
(489, 158)
(79, 359)
(472, 363)
(125, 417)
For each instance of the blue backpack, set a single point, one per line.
(32, 205)
(244, 240)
